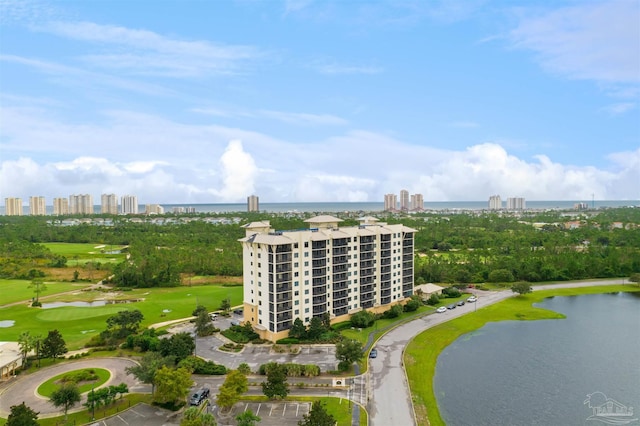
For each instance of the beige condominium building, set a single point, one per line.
(13, 206)
(390, 202)
(109, 204)
(324, 269)
(81, 204)
(37, 206)
(253, 203)
(60, 206)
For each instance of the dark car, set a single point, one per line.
(373, 353)
(238, 312)
(461, 303)
(451, 306)
(200, 395)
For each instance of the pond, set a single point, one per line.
(7, 323)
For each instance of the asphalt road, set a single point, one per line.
(390, 398)
(24, 388)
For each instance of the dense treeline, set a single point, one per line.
(464, 247)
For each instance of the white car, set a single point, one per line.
(472, 299)
(441, 309)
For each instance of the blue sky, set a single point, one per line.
(294, 101)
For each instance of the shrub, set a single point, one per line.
(393, 312)
(433, 299)
(412, 305)
(363, 319)
(288, 341)
(451, 292)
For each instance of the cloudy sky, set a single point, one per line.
(298, 101)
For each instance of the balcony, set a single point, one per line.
(385, 300)
(319, 310)
(339, 285)
(337, 251)
(367, 272)
(320, 300)
(340, 277)
(367, 255)
(319, 272)
(318, 245)
(282, 268)
(319, 290)
(282, 288)
(339, 260)
(283, 258)
(385, 261)
(385, 285)
(366, 247)
(340, 303)
(366, 289)
(319, 254)
(385, 293)
(280, 278)
(284, 317)
(282, 326)
(282, 297)
(282, 307)
(340, 268)
(343, 294)
(319, 281)
(366, 305)
(319, 263)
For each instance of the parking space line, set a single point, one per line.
(258, 410)
(284, 409)
(270, 410)
(122, 419)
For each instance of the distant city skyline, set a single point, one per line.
(304, 101)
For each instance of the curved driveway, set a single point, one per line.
(390, 402)
(23, 389)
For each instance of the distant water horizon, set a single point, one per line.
(366, 206)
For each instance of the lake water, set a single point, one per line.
(541, 372)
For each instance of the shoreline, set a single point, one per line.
(422, 351)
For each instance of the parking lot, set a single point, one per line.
(270, 413)
(141, 415)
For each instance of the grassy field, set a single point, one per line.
(47, 388)
(78, 324)
(422, 352)
(79, 254)
(84, 417)
(18, 290)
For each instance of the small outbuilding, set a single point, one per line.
(10, 359)
(426, 290)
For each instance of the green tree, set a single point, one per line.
(172, 385)
(179, 346)
(244, 368)
(433, 299)
(521, 287)
(193, 417)
(147, 367)
(53, 345)
(500, 276)
(38, 287)
(362, 319)
(318, 416)
(225, 306)
(66, 396)
(27, 343)
(316, 328)
(203, 324)
(233, 387)
(198, 309)
(247, 418)
(298, 330)
(276, 385)
(22, 415)
(348, 351)
(124, 323)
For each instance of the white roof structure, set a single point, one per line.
(10, 358)
(428, 288)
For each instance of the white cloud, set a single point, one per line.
(597, 41)
(331, 67)
(238, 170)
(165, 161)
(150, 53)
(619, 108)
(303, 118)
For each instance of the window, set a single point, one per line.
(296, 293)
(297, 311)
(259, 265)
(295, 245)
(306, 311)
(306, 263)
(295, 274)
(259, 293)
(296, 283)
(305, 272)
(306, 291)
(295, 255)
(306, 244)
(259, 255)
(306, 282)
(297, 302)
(306, 254)
(295, 265)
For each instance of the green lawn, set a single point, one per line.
(84, 417)
(78, 324)
(19, 290)
(422, 352)
(47, 388)
(82, 253)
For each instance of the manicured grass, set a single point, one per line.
(78, 324)
(339, 408)
(19, 290)
(47, 388)
(422, 352)
(84, 417)
(83, 251)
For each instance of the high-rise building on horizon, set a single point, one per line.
(81, 204)
(253, 203)
(153, 209)
(37, 206)
(322, 270)
(404, 200)
(13, 206)
(390, 202)
(109, 204)
(417, 203)
(495, 202)
(129, 204)
(516, 203)
(60, 206)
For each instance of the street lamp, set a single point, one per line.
(93, 403)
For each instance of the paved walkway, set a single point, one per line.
(23, 388)
(391, 402)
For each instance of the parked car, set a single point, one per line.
(200, 395)
(472, 299)
(373, 353)
(451, 306)
(460, 302)
(441, 309)
(238, 311)
(213, 316)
